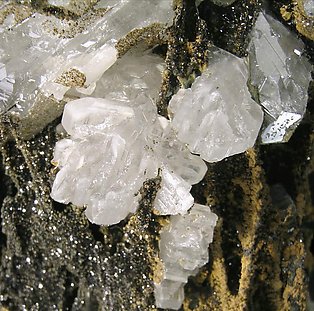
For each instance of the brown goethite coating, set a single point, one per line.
(262, 255)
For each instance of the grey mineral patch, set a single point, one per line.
(281, 74)
(308, 6)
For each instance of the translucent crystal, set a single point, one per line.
(216, 117)
(137, 72)
(308, 6)
(174, 196)
(6, 86)
(61, 3)
(38, 61)
(217, 2)
(183, 250)
(108, 157)
(281, 129)
(280, 74)
(169, 294)
(119, 141)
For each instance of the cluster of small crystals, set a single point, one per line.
(183, 250)
(33, 60)
(217, 118)
(117, 142)
(281, 76)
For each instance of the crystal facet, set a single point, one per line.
(119, 141)
(37, 61)
(281, 76)
(183, 250)
(216, 117)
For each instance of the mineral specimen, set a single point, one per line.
(183, 250)
(216, 117)
(281, 76)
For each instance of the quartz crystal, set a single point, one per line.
(183, 250)
(35, 60)
(281, 75)
(216, 117)
(118, 141)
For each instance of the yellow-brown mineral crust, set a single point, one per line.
(304, 22)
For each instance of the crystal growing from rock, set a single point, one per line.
(111, 152)
(136, 144)
(216, 117)
(183, 250)
(281, 76)
(37, 61)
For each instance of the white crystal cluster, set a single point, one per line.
(281, 75)
(33, 60)
(113, 149)
(117, 142)
(217, 117)
(183, 250)
(136, 142)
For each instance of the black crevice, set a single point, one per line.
(95, 230)
(70, 291)
(59, 207)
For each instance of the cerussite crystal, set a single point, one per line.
(281, 76)
(183, 250)
(216, 117)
